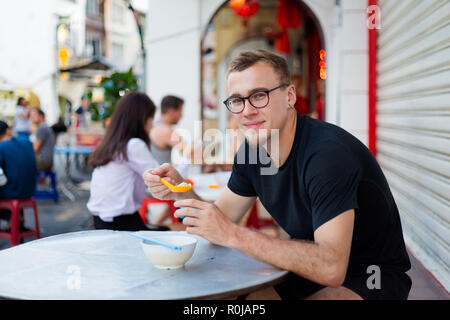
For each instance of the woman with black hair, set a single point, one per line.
(117, 188)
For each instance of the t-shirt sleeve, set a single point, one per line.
(332, 178)
(41, 134)
(140, 158)
(239, 181)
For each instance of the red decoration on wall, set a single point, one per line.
(245, 8)
(282, 44)
(288, 14)
(322, 65)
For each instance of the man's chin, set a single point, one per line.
(254, 141)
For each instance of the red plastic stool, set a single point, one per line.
(254, 221)
(15, 205)
(147, 201)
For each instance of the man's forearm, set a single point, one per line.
(307, 259)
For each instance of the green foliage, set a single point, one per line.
(115, 86)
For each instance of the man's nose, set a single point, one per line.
(249, 109)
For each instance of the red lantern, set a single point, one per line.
(246, 8)
(322, 54)
(237, 4)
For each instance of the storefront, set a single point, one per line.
(288, 28)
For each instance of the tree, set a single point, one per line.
(114, 86)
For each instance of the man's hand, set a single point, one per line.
(156, 187)
(206, 220)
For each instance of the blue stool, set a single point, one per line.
(41, 194)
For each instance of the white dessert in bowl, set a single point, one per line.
(165, 258)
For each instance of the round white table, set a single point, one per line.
(103, 264)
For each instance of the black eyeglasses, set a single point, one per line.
(258, 99)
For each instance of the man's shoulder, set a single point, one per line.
(162, 127)
(13, 143)
(44, 129)
(136, 144)
(321, 135)
(44, 126)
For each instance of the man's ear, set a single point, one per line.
(292, 96)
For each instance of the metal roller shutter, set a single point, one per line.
(413, 123)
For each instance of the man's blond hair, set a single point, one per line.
(246, 59)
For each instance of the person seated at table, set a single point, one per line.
(117, 189)
(58, 127)
(320, 183)
(20, 171)
(162, 134)
(164, 137)
(44, 141)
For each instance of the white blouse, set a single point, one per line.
(117, 188)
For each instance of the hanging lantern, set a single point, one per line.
(237, 4)
(322, 54)
(282, 44)
(245, 8)
(322, 65)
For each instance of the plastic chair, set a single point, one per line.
(254, 221)
(147, 201)
(41, 194)
(15, 205)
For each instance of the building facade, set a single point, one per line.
(42, 39)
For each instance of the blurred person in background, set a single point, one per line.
(58, 127)
(19, 171)
(80, 112)
(163, 135)
(164, 138)
(117, 189)
(44, 141)
(21, 118)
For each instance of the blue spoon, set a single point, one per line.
(182, 217)
(170, 246)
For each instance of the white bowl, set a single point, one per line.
(165, 258)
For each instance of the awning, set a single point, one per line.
(93, 64)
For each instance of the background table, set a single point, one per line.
(112, 265)
(67, 183)
(204, 180)
(74, 149)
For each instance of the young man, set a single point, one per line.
(327, 192)
(19, 167)
(162, 134)
(21, 118)
(45, 141)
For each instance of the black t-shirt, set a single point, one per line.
(327, 172)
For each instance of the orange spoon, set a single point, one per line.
(175, 188)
